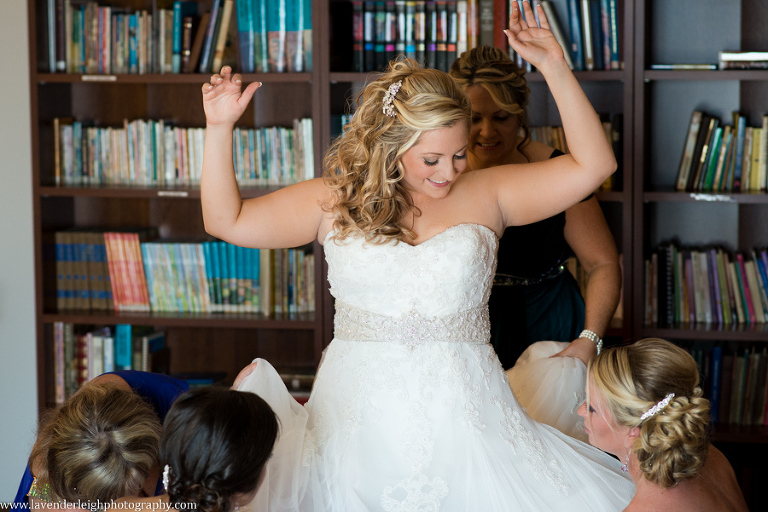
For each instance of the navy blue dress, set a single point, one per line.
(534, 297)
(160, 391)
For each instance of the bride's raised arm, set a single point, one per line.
(539, 190)
(288, 217)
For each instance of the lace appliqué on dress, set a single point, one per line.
(415, 494)
(517, 436)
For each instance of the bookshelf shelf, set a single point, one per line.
(741, 75)
(138, 191)
(587, 76)
(168, 78)
(670, 196)
(197, 320)
(709, 332)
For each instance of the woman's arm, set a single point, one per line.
(288, 217)
(591, 240)
(539, 190)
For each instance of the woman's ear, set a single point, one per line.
(634, 432)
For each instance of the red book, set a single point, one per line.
(115, 269)
(81, 359)
(500, 22)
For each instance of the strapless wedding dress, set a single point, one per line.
(411, 409)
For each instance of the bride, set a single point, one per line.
(411, 410)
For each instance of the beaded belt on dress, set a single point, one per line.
(509, 280)
(355, 324)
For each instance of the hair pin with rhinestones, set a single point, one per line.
(166, 477)
(389, 97)
(658, 407)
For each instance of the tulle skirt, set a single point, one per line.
(551, 389)
(423, 427)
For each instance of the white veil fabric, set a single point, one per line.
(551, 389)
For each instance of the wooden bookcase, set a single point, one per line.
(643, 212)
(198, 342)
(693, 31)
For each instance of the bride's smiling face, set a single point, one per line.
(432, 165)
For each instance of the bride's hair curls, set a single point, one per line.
(215, 443)
(362, 166)
(673, 443)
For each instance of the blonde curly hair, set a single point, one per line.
(673, 443)
(492, 69)
(362, 166)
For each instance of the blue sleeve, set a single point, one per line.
(159, 390)
(26, 483)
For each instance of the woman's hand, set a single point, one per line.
(243, 374)
(581, 349)
(534, 44)
(224, 100)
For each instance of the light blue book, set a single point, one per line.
(232, 274)
(123, 347)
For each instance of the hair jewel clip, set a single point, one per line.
(389, 97)
(658, 407)
(166, 477)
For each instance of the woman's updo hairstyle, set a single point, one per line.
(215, 442)
(100, 445)
(673, 443)
(362, 167)
(492, 69)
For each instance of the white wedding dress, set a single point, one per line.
(411, 409)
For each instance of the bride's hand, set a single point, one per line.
(536, 45)
(224, 99)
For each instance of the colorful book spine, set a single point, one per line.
(246, 32)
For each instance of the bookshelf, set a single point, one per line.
(693, 32)
(198, 341)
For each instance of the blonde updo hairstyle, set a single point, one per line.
(363, 167)
(673, 443)
(100, 445)
(492, 69)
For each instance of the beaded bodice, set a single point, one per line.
(435, 291)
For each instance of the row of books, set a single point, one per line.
(435, 32)
(274, 36)
(155, 152)
(709, 286)
(554, 136)
(592, 40)
(723, 158)
(175, 37)
(742, 60)
(735, 379)
(79, 356)
(431, 32)
(134, 271)
(587, 30)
